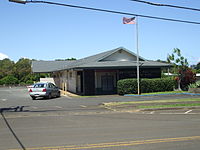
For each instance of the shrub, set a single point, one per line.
(29, 82)
(187, 78)
(195, 85)
(1, 82)
(129, 86)
(22, 83)
(8, 80)
(126, 86)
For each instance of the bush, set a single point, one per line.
(187, 78)
(126, 86)
(8, 80)
(1, 82)
(129, 86)
(195, 85)
(29, 82)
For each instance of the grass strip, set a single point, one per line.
(169, 106)
(154, 101)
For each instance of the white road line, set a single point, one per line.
(152, 112)
(187, 111)
(4, 99)
(179, 113)
(83, 106)
(171, 113)
(58, 107)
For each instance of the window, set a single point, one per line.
(39, 86)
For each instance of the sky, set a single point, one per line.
(49, 32)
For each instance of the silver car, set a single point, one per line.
(46, 90)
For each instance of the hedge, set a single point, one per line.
(129, 86)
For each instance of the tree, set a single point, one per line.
(6, 67)
(185, 75)
(19, 72)
(23, 69)
(198, 66)
(68, 59)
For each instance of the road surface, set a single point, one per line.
(80, 123)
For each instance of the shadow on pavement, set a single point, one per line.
(10, 128)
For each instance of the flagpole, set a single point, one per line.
(138, 69)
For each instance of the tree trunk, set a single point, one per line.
(179, 84)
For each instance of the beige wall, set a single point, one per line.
(66, 80)
(120, 56)
(72, 81)
(63, 80)
(56, 79)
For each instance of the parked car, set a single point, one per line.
(46, 90)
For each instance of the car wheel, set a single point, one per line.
(33, 98)
(58, 95)
(49, 96)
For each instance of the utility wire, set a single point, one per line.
(166, 5)
(114, 12)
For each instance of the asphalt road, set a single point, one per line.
(80, 123)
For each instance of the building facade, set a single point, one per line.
(98, 74)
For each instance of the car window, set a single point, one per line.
(53, 86)
(39, 85)
(49, 85)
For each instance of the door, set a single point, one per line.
(89, 82)
(107, 82)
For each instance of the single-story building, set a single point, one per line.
(98, 74)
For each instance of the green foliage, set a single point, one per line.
(198, 66)
(29, 82)
(129, 86)
(177, 59)
(21, 70)
(9, 80)
(180, 67)
(6, 67)
(195, 85)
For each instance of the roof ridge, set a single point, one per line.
(111, 52)
(93, 58)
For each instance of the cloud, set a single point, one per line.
(3, 56)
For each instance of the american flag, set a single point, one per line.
(128, 20)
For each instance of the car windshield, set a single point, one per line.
(39, 85)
